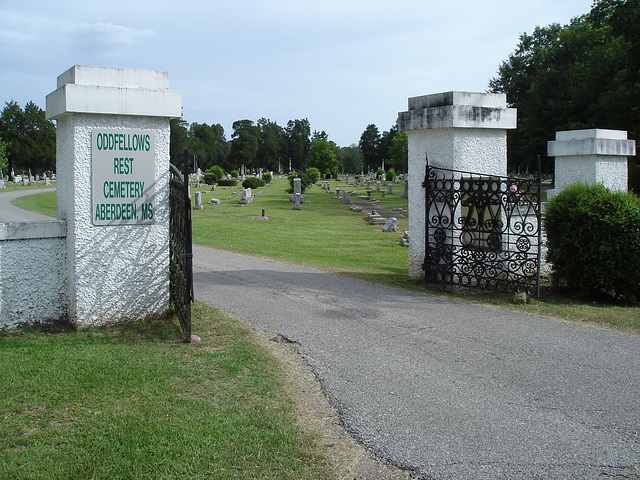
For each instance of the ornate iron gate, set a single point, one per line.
(181, 254)
(482, 231)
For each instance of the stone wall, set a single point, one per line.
(32, 269)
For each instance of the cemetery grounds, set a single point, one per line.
(133, 401)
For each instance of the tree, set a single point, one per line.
(322, 156)
(399, 152)
(270, 144)
(350, 159)
(244, 146)
(582, 75)
(384, 144)
(369, 142)
(208, 144)
(298, 144)
(178, 141)
(4, 162)
(30, 138)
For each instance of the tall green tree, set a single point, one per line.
(386, 139)
(270, 145)
(322, 156)
(350, 159)
(582, 75)
(369, 145)
(208, 144)
(298, 144)
(30, 138)
(4, 161)
(178, 141)
(399, 152)
(244, 144)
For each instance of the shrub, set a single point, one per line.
(391, 174)
(267, 177)
(313, 174)
(210, 178)
(227, 182)
(593, 236)
(234, 173)
(217, 170)
(379, 173)
(253, 182)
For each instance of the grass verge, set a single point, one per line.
(44, 203)
(134, 402)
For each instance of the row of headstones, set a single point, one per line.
(367, 186)
(24, 180)
(246, 197)
(383, 178)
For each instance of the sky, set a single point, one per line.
(341, 64)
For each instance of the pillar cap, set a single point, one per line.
(458, 109)
(115, 91)
(594, 141)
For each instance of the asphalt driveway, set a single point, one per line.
(443, 388)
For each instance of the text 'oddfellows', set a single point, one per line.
(123, 177)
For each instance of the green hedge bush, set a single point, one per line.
(313, 173)
(210, 178)
(267, 177)
(253, 182)
(227, 182)
(593, 238)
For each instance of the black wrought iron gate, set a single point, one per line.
(181, 253)
(482, 231)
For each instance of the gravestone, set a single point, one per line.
(345, 197)
(391, 225)
(390, 189)
(297, 193)
(247, 197)
(198, 205)
(377, 186)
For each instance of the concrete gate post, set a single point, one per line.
(112, 161)
(591, 156)
(457, 130)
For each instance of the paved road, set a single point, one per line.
(11, 213)
(446, 389)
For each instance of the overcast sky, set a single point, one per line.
(342, 64)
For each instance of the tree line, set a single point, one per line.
(265, 145)
(28, 142)
(582, 75)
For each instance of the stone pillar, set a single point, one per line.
(112, 163)
(457, 130)
(591, 156)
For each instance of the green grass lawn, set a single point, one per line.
(133, 402)
(44, 203)
(324, 234)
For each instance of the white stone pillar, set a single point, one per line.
(112, 162)
(457, 130)
(591, 156)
